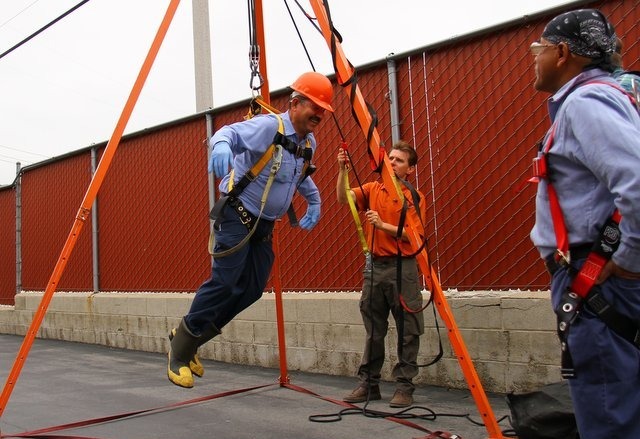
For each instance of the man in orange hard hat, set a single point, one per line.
(241, 266)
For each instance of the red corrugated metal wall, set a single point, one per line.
(468, 106)
(153, 210)
(51, 196)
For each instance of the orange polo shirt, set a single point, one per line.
(374, 196)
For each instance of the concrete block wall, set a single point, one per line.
(510, 336)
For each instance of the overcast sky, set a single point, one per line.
(65, 89)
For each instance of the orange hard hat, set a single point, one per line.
(316, 87)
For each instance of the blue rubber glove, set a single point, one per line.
(311, 218)
(221, 159)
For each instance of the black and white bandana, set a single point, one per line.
(587, 32)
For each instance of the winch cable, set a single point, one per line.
(254, 49)
(43, 28)
(334, 117)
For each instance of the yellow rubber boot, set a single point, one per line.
(194, 363)
(183, 348)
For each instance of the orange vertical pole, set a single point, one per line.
(85, 208)
(277, 281)
(344, 72)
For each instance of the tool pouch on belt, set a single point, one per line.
(218, 207)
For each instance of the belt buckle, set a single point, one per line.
(245, 217)
(563, 259)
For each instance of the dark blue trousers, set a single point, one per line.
(237, 280)
(606, 390)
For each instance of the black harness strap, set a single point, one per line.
(289, 145)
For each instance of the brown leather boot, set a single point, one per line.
(401, 399)
(363, 393)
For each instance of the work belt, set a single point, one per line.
(388, 260)
(225, 200)
(245, 216)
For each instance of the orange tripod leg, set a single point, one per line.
(344, 71)
(277, 284)
(85, 208)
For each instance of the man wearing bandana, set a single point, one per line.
(594, 167)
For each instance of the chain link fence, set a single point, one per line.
(468, 105)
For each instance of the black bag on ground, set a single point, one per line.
(546, 413)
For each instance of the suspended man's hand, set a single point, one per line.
(221, 159)
(311, 218)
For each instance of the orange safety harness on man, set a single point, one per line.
(583, 286)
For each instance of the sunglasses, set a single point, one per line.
(537, 48)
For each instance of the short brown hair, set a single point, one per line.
(403, 146)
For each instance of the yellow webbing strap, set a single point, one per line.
(268, 154)
(356, 216)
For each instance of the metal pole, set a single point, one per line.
(95, 243)
(18, 229)
(393, 98)
(211, 179)
(202, 55)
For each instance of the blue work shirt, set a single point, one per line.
(594, 164)
(249, 140)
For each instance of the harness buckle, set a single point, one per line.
(539, 168)
(563, 259)
(245, 217)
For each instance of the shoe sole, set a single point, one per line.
(356, 400)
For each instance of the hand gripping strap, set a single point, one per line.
(356, 216)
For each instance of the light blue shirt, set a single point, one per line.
(249, 140)
(594, 165)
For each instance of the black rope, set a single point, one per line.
(42, 29)
(295, 25)
(426, 415)
(312, 20)
(353, 81)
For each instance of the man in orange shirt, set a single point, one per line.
(381, 290)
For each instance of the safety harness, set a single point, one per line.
(273, 154)
(582, 288)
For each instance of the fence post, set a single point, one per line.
(95, 243)
(18, 229)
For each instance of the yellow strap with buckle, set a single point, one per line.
(356, 215)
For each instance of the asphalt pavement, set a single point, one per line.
(65, 383)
